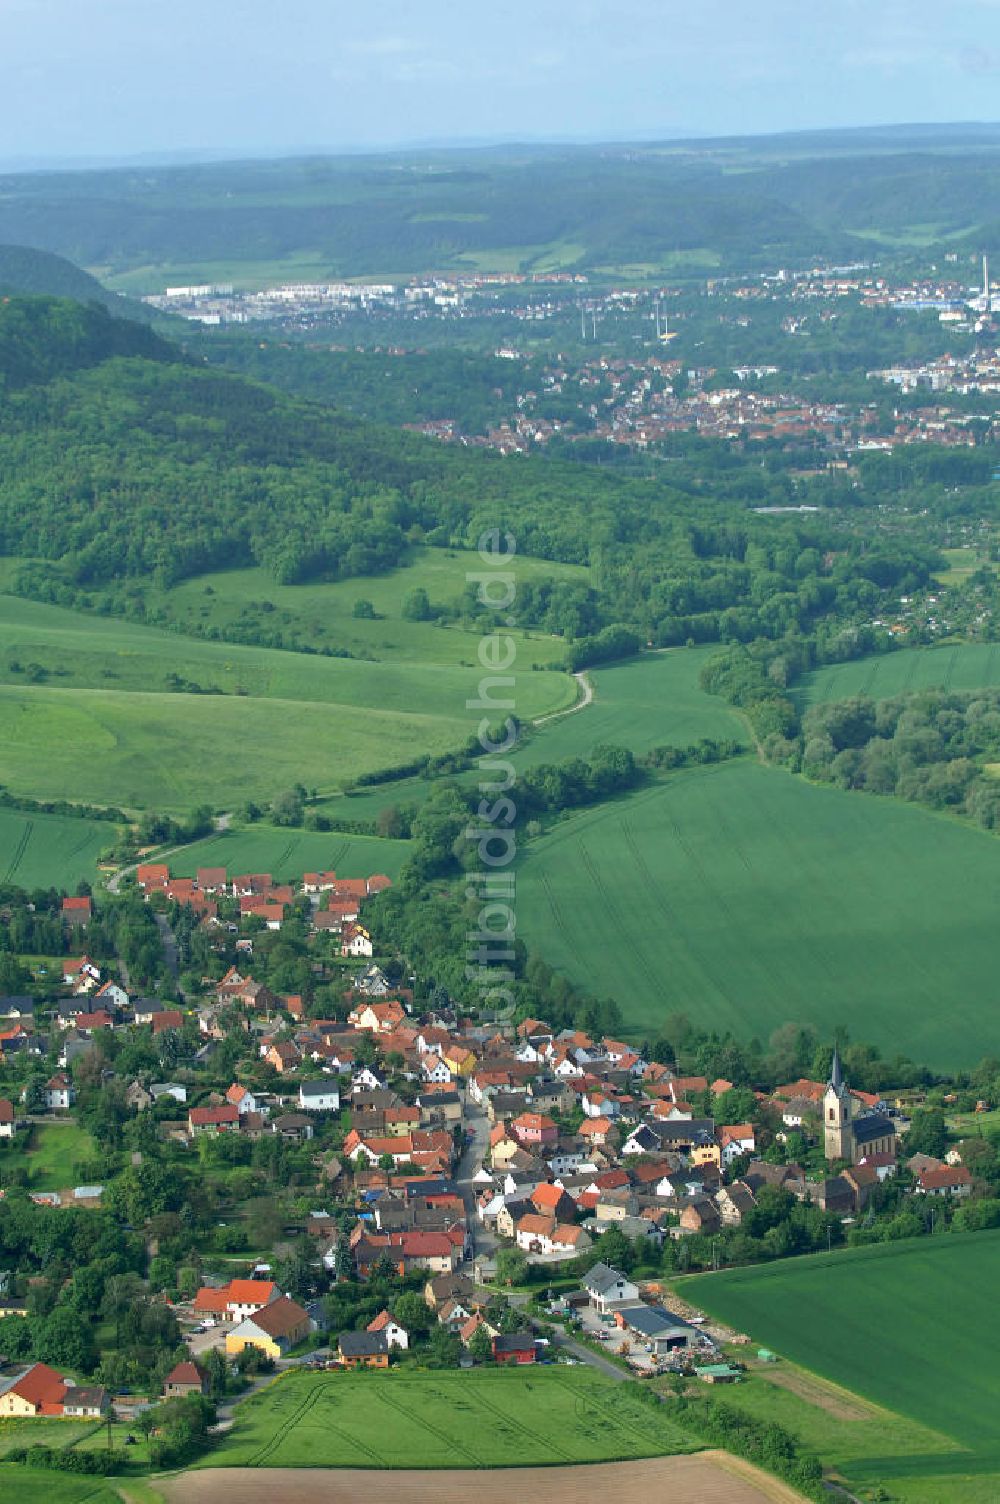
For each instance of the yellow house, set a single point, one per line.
(272, 1330)
(459, 1060)
(706, 1154)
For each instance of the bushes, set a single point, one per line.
(925, 747)
(606, 646)
(762, 1442)
(64, 1460)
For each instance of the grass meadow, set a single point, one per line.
(41, 851)
(746, 897)
(321, 614)
(114, 712)
(54, 1155)
(486, 1418)
(910, 1326)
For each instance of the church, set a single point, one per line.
(846, 1136)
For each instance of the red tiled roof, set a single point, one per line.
(41, 1385)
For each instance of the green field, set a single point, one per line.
(42, 851)
(486, 1418)
(849, 1435)
(41, 1486)
(912, 1326)
(288, 853)
(746, 897)
(960, 667)
(646, 702)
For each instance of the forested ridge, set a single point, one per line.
(123, 460)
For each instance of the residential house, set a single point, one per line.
(534, 1130)
(949, 1180)
(380, 1018)
(60, 1093)
(389, 1327)
(735, 1202)
(517, 1347)
(283, 1055)
(86, 1402)
(168, 1018)
(138, 1097)
(77, 912)
(319, 1096)
(700, 1214)
(607, 1289)
(355, 941)
(363, 1349)
(7, 1123)
(222, 1119)
(185, 1378)
(735, 1140)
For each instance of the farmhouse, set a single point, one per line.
(38, 1391)
(272, 1329)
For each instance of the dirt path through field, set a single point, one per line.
(704, 1478)
(580, 704)
(815, 1391)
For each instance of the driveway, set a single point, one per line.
(593, 1360)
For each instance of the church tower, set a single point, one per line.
(838, 1136)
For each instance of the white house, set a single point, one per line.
(608, 1289)
(319, 1096)
(111, 996)
(243, 1099)
(434, 1070)
(356, 942)
(735, 1141)
(395, 1335)
(7, 1124)
(60, 1093)
(365, 1078)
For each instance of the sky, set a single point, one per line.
(125, 78)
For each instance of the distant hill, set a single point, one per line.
(42, 337)
(650, 207)
(26, 270)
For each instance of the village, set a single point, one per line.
(499, 1185)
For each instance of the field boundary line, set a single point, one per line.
(396, 1403)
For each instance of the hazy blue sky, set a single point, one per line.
(130, 76)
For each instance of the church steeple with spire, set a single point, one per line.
(838, 1135)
